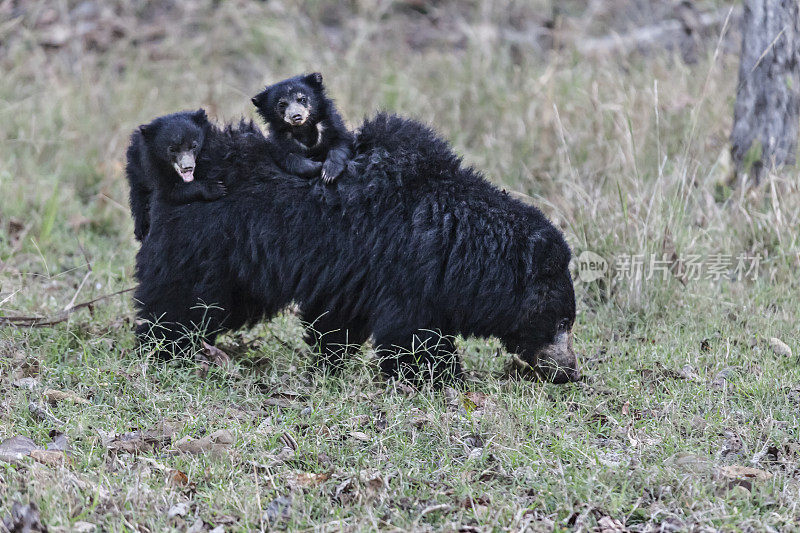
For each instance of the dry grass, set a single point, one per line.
(627, 155)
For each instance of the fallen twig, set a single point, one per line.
(42, 321)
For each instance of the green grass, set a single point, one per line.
(626, 155)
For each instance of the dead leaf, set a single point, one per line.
(468, 405)
(127, 443)
(440, 508)
(216, 355)
(473, 440)
(49, 457)
(26, 383)
(478, 398)
(304, 480)
(358, 435)
(691, 462)
(722, 376)
(24, 518)
(211, 355)
(607, 524)
(55, 396)
(780, 347)
(177, 478)
(140, 441)
(286, 399)
(421, 418)
(289, 442)
(15, 448)
(688, 372)
(270, 461)
(278, 509)
(744, 472)
(217, 442)
(374, 482)
(40, 412)
(179, 509)
(358, 421)
(402, 387)
(59, 442)
(197, 527)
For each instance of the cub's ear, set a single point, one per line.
(148, 131)
(200, 117)
(260, 99)
(314, 79)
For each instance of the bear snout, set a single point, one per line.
(557, 362)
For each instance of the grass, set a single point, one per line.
(627, 155)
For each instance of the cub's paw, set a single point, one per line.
(331, 170)
(216, 191)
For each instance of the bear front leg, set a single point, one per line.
(302, 166)
(335, 163)
(185, 193)
(421, 356)
(140, 210)
(333, 340)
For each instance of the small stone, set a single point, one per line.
(780, 347)
(27, 383)
(179, 509)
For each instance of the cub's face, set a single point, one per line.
(176, 140)
(291, 103)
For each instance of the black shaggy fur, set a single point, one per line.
(306, 131)
(409, 246)
(152, 156)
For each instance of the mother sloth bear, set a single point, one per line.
(407, 246)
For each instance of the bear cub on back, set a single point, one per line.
(306, 131)
(162, 158)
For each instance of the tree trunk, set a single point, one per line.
(765, 118)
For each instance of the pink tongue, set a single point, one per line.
(187, 175)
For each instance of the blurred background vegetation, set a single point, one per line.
(612, 115)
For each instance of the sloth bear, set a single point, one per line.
(305, 128)
(162, 157)
(408, 246)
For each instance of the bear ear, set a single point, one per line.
(148, 131)
(258, 100)
(552, 256)
(200, 117)
(314, 79)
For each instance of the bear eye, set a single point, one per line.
(170, 148)
(194, 145)
(563, 326)
(281, 105)
(302, 100)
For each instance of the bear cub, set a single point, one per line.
(307, 134)
(162, 158)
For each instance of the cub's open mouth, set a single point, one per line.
(186, 173)
(184, 165)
